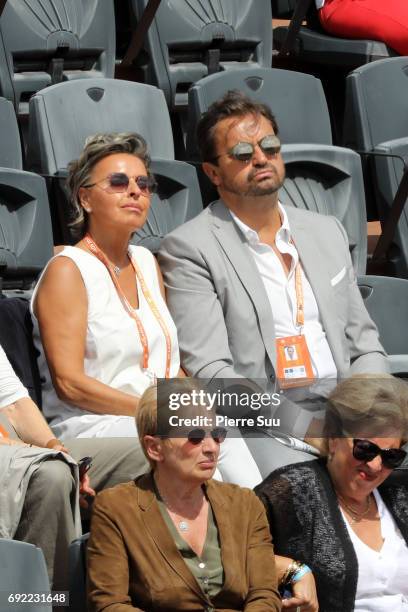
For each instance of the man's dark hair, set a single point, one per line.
(233, 104)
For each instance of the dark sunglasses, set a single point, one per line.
(118, 182)
(364, 450)
(244, 151)
(196, 436)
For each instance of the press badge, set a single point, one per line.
(293, 363)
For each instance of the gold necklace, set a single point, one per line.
(356, 516)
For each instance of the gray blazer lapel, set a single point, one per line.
(319, 281)
(237, 251)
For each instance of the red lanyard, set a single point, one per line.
(130, 310)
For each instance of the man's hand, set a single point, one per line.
(304, 597)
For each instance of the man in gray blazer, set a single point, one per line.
(231, 272)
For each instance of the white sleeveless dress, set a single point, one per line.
(113, 350)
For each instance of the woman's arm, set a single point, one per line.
(30, 425)
(108, 564)
(61, 307)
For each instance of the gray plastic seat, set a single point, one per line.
(328, 180)
(22, 570)
(77, 574)
(376, 121)
(48, 41)
(25, 224)
(386, 300)
(190, 39)
(178, 200)
(64, 115)
(280, 89)
(314, 46)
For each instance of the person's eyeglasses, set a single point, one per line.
(244, 151)
(196, 436)
(118, 182)
(364, 450)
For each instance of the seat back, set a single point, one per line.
(25, 226)
(376, 121)
(189, 40)
(376, 104)
(385, 299)
(64, 115)
(296, 99)
(329, 180)
(22, 570)
(10, 146)
(178, 200)
(77, 574)
(47, 41)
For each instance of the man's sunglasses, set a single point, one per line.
(196, 436)
(118, 182)
(364, 450)
(244, 151)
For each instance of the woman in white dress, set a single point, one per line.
(106, 332)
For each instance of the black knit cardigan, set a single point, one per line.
(306, 525)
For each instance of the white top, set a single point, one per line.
(11, 388)
(281, 292)
(113, 350)
(382, 584)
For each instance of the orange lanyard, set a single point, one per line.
(300, 304)
(130, 310)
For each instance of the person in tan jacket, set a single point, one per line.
(176, 540)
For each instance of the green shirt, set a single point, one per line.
(207, 569)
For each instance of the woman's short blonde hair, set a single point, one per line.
(371, 403)
(98, 147)
(153, 403)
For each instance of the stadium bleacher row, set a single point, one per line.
(58, 61)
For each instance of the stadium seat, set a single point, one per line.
(386, 300)
(22, 571)
(376, 124)
(63, 116)
(25, 225)
(280, 89)
(312, 45)
(190, 40)
(48, 41)
(77, 574)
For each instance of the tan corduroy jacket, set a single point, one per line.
(134, 563)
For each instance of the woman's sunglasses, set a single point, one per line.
(196, 436)
(118, 182)
(244, 151)
(364, 450)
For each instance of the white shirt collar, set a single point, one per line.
(251, 235)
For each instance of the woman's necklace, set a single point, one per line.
(356, 516)
(182, 522)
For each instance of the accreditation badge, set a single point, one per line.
(293, 363)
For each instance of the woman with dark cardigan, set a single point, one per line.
(337, 515)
